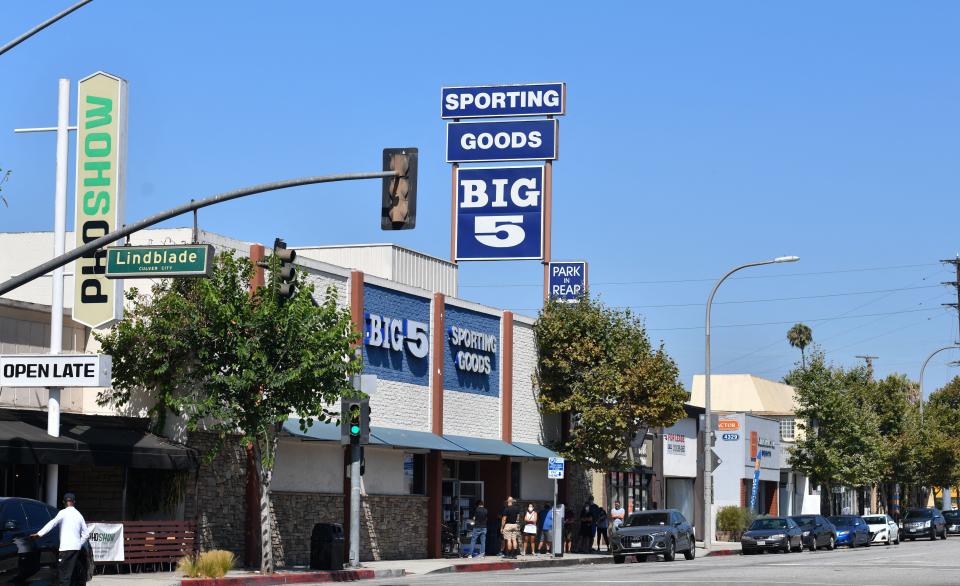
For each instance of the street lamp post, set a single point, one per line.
(947, 497)
(707, 465)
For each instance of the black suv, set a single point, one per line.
(23, 559)
(663, 532)
(926, 522)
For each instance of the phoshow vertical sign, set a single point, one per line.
(101, 162)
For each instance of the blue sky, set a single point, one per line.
(699, 135)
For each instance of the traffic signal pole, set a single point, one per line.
(355, 505)
(111, 237)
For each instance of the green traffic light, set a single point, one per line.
(355, 429)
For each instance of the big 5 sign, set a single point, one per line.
(499, 213)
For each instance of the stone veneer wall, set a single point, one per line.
(391, 527)
(216, 496)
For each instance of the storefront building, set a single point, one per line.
(679, 468)
(738, 480)
(454, 415)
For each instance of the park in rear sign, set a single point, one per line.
(491, 101)
(568, 280)
(501, 140)
(499, 213)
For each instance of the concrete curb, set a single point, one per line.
(717, 552)
(500, 565)
(295, 578)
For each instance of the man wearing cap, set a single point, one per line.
(73, 534)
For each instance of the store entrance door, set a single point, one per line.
(459, 500)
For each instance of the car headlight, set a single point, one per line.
(926, 525)
(806, 534)
(659, 534)
(842, 533)
(777, 536)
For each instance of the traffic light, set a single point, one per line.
(287, 273)
(354, 421)
(399, 210)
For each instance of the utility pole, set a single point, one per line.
(869, 361)
(947, 490)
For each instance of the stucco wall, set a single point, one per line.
(471, 414)
(402, 405)
(305, 466)
(534, 484)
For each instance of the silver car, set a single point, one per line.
(663, 532)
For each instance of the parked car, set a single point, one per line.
(925, 522)
(851, 530)
(662, 532)
(21, 558)
(772, 534)
(817, 531)
(953, 521)
(883, 529)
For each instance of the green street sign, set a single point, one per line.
(150, 262)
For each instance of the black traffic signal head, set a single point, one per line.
(355, 421)
(286, 273)
(399, 211)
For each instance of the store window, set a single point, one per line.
(788, 427)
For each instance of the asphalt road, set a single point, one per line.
(922, 563)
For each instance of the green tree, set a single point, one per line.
(800, 336)
(597, 364)
(940, 454)
(842, 444)
(231, 362)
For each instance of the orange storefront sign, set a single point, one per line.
(728, 424)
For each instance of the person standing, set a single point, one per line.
(601, 522)
(585, 536)
(546, 527)
(530, 529)
(73, 534)
(479, 533)
(510, 528)
(568, 524)
(617, 515)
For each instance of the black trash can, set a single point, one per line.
(326, 546)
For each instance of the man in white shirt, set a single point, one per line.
(617, 514)
(73, 534)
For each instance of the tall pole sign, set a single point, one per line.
(101, 159)
(502, 213)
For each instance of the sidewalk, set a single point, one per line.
(384, 569)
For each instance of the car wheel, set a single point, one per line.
(832, 544)
(944, 535)
(671, 553)
(933, 535)
(813, 544)
(690, 553)
(619, 559)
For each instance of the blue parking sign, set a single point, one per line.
(568, 280)
(499, 213)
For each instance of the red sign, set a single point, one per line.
(754, 441)
(728, 424)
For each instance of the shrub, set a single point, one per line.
(188, 566)
(734, 520)
(215, 563)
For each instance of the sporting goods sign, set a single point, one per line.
(501, 140)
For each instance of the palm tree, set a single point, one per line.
(800, 336)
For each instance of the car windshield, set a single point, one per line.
(642, 519)
(805, 521)
(875, 519)
(921, 514)
(762, 524)
(844, 520)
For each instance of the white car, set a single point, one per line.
(883, 529)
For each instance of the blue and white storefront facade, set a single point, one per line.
(454, 418)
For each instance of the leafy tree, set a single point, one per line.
(597, 364)
(842, 443)
(233, 362)
(800, 336)
(941, 449)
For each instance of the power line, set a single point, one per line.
(712, 279)
(776, 323)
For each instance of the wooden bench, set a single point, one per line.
(156, 543)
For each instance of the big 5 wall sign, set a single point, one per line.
(499, 213)
(101, 160)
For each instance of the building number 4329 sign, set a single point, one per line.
(499, 213)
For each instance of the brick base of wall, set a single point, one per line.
(218, 503)
(391, 527)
